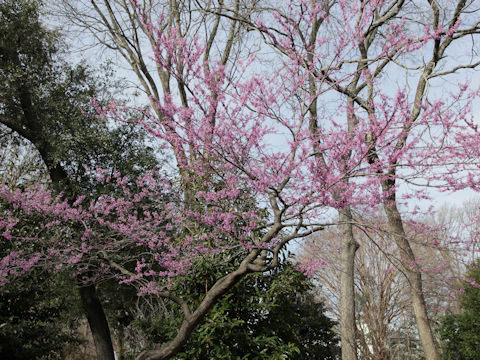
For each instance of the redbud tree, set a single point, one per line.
(264, 142)
(233, 189)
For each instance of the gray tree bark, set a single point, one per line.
(414, 278)
(347, 288)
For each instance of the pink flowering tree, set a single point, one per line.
(264, 142)
(233, 191)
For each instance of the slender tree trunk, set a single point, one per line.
(414, 278)
(97, 322)
(347, 288)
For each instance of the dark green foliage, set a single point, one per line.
(26, 46)
(36, 317)
(45, 108)
(266, 316)
(49, 102)
(78, 138)
(460, 333)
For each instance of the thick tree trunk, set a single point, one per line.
(414, 278)
(97, 322)
(347, 288)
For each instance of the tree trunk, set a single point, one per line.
(97, 322)
(414, 278)
(347, 288)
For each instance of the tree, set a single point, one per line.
(26, 62)
(460, 332)
(351, 48)
(342, 158)
(380, 290)
(36, 317)
(36, 312)
(384, 315)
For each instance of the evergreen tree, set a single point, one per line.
(46, 110)
(460, 333)
(37, 317)
(266, 316)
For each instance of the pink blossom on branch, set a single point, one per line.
(262, 152)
